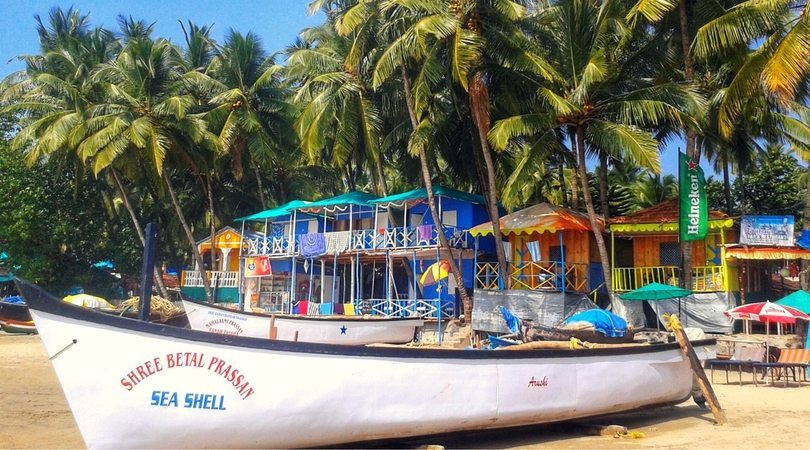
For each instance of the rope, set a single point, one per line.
(672, 323)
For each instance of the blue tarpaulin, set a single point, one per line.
(603, 321)
(512, 321)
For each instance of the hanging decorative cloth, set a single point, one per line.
(534, 250)
(312, 244)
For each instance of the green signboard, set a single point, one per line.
(694, 208)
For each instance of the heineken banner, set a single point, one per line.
(694, 212)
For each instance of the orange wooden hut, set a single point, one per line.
(549, 248)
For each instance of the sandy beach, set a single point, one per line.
(34, 414)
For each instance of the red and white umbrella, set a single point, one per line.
(766, 312)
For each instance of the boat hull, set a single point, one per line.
(15, 318)
(135, 384)
(345, 330)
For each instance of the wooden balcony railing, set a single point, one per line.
(537, 275)
(704, 278)
(397, 238)
(193, 278)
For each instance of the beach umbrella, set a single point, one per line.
(657, 291)
(766, 312)
(798, 300)
(435, 272)
(87, 301)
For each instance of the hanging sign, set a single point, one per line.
(694, 208)
(257, 266)
(767, 230)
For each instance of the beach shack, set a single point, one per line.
(645, 249)
(553, 268)
(548, 248)
(269, 275)
(361, 253)
(224, 278)
(768, 257)
(408, 237)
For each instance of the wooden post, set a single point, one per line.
(295, 336)
(273, 328)
(674, 324)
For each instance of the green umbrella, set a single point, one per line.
(657, 291)
(798, 300)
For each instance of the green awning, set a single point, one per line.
(278, 211)
(656, 291)
(798, 300)
(421, 194)
(356, 198)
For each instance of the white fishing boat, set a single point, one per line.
(133, 384)
(331, 329)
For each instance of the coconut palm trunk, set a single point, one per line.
(444, 245)
(805, 273)
(209, 193)
(138, 229)
(586, 193)
(194, 250)
(727, 184)
(603, 185)
(479, 106)
(691, 135)
(574, 177)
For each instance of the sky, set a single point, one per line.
(277, 22)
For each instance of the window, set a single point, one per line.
(554, 253)
(450, 218)
(670, 254)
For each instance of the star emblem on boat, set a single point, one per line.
(343, 329)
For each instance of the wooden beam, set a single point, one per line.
(673, 324)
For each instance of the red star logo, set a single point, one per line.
(692, 164)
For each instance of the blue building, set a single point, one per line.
(359, 252)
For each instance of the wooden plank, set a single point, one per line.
(673, 324)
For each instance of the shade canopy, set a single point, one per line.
(799, 300)
(656, 291)
(766, 312)
(540, 218)
(276, 212)
(421, 194)
(742, 251)
(356, 198)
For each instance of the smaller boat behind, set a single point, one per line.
(14, 316)
(332, 329)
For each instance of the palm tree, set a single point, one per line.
(598, 98)
(250, 110)
(447, 38)
(341, 122)
(56, 91)
(145, 113)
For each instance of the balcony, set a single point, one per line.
(399, 238)
(704, 278)
(536, 276)
(219, 279)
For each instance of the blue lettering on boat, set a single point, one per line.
(164, 398)
(204, 401)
